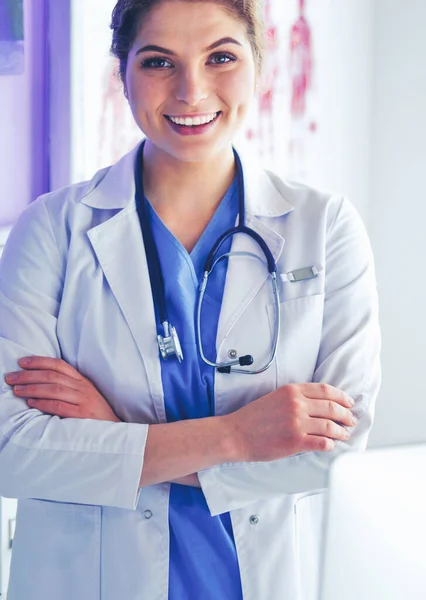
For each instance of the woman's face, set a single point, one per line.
(190, 61)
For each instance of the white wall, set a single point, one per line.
(397, 215)
(344, 44)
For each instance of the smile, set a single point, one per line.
(193, 121)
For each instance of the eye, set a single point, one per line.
(222, 58)
(156, 62)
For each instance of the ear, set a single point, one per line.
(124, 82)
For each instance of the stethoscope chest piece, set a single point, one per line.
(169, 343)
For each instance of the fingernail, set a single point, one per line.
(11, 377)
(354, 420)
(24, 361)
(19, 388)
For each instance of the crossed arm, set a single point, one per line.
(54, 387)
(91, 459)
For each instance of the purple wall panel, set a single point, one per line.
(24, 170)
(59, 82)
(39, 110)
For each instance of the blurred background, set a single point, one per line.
(342, 107)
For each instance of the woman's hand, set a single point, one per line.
(293, 419)
(53, 386)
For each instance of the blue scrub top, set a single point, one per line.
(203, 557)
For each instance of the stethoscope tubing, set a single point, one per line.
(153, 260)
(232, 363)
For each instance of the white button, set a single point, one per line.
(232, 354)
(254, 520)
(147, 514)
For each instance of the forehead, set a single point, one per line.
(186, 22)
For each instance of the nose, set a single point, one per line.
(191, 87)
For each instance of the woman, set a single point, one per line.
(143, 477)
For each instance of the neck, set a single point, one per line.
(172, 185)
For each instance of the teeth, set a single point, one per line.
(189, 122)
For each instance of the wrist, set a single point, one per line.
(228, 441)
(181, 448)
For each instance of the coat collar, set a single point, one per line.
(114, 188)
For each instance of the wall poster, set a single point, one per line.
(11, 37)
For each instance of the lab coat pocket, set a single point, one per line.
(309, 527)
(56, 551)
(300, 338)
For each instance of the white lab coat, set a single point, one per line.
(74, 284)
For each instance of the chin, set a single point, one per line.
(198, 152)
(193, 156)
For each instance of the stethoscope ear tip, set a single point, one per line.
(246, 361)
(243, 361)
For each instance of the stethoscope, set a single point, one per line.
(168, 341)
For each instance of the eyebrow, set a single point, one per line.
(154, 48)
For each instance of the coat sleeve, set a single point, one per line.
(348, 359)
(41, 456)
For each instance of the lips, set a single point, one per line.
(194, 129)
(193, 120)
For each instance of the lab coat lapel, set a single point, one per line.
(119, 248)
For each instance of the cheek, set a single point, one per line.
(142, 95)
(237, 90)
(145, 93)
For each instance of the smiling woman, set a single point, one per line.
(128, 380)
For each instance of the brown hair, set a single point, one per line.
(128, 16)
